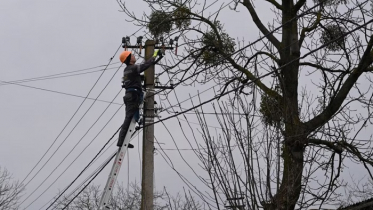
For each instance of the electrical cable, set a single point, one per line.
(265, 74)
(248, 46)
(69, 135)
(85, 168)
(44, 181)
(82, 183)
(90, 180)
(139, 30)
(201, 11)
(58, 92)
(65, 125)
(58, 75)
(88, 165)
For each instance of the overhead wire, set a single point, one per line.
(312, 51)
(263, 75)
(59, 92)
(160, 23)
(88, 165)
(70, 134)
(44, 181)
(98, 172)
(82, 183)
(58, 75)
(178, 104)
(81, 104)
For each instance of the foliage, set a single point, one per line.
(333, 32)
(331, 2)
(182, 17)
(159, 23)
(271, 110)
(300, 164)
(212, 45)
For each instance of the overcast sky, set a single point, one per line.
(40, 38)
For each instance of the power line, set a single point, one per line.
(59, 92)
(58, 75)
(44, 181)
(82, 183)
(135, 32)
(66, 125)
(107, 162)
(85, 168)
(178, 104)
(88, 165)
(267, 74)
(68, 137)
(73, 129)
(244, 84)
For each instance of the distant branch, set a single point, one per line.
(332, 145)
(338, 99)
(311, 28)
(276, 4)
(260, 25)
(321, 67)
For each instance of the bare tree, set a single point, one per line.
(307, 78)
(89, 199)
(10, 191)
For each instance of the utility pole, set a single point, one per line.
(148, 134)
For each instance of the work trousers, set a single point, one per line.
(132, 100)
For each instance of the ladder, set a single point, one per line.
(104, 203)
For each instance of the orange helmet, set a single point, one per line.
(124, 55)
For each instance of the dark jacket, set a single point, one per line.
(131, 74)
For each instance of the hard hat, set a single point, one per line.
(124, 55)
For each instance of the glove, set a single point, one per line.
(155, 53)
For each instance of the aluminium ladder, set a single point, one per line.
(104, 203)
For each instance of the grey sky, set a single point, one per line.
(41, 37)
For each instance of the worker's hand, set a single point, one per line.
(156, 53)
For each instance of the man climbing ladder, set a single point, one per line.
(132, 99)
(132, 83)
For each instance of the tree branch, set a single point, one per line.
(253, 78)
(337, 100)
(332, 145)
(260, 25)
(276, 4)
(321, 67)
(311, 28)
(299, 4)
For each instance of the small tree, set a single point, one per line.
(89, 199)
(10, 191)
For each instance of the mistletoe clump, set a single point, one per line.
(330, 2)
(333, 34)
(212, 45)
(181, 17)
(159, 23)
(271, 110)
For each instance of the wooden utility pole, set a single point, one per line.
(148, 134)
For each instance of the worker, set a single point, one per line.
(132, 83)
